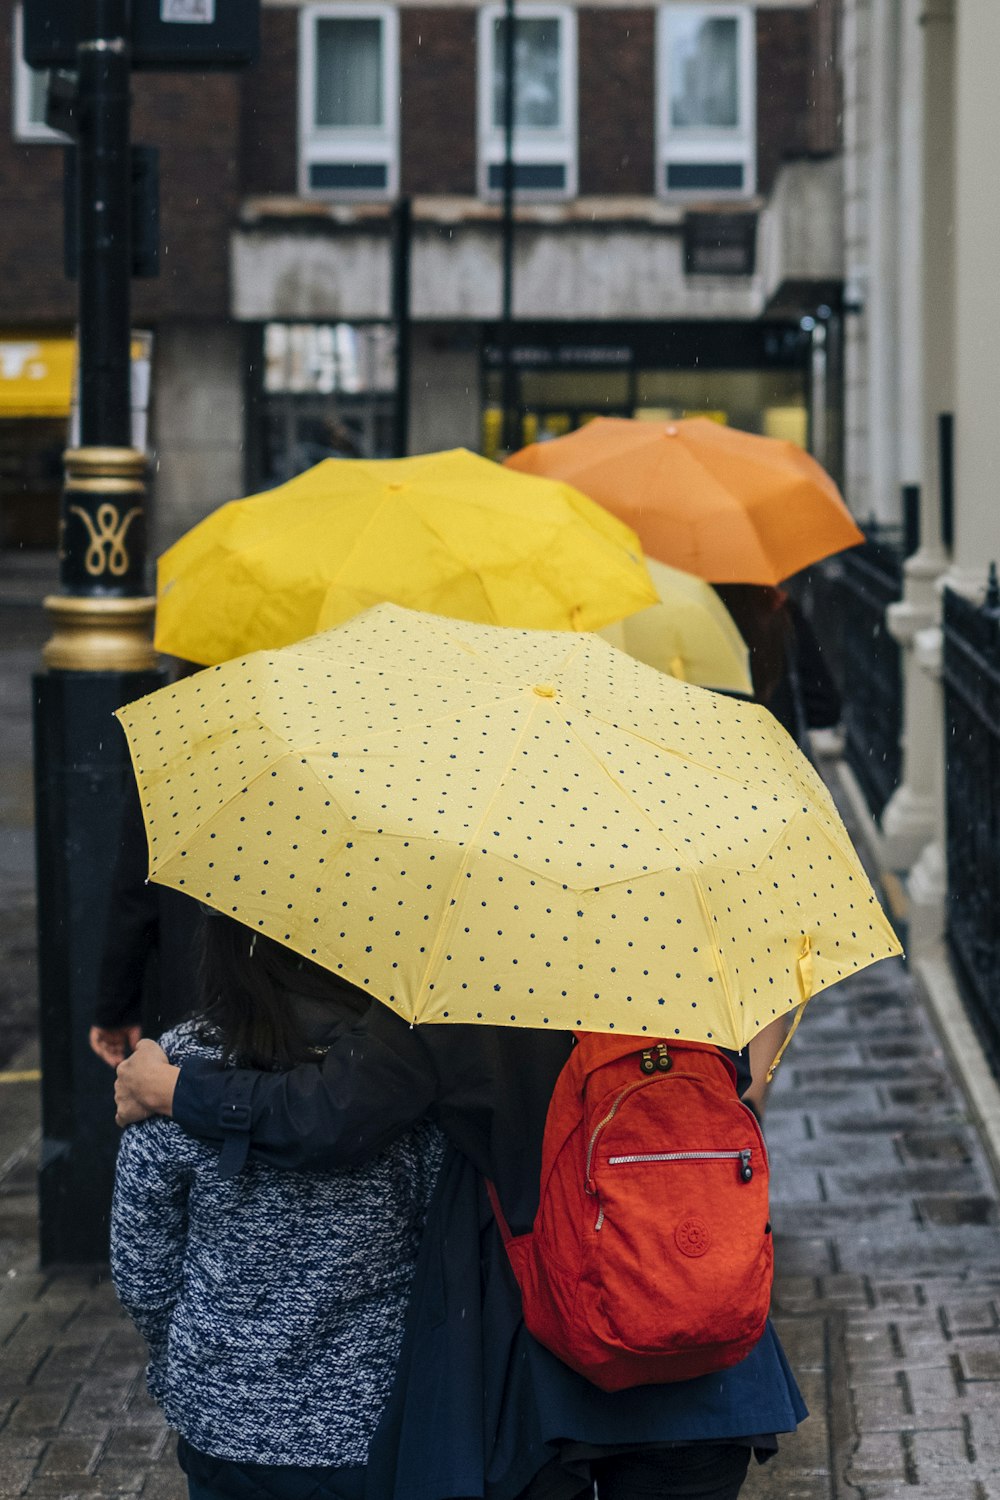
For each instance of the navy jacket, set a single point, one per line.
(478, 1408)
(149, 962)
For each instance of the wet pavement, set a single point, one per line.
(885, 1211)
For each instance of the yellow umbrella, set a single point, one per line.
(689, 634)
(448, 532)
(516, 827)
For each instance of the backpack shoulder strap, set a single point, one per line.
(498, 1212)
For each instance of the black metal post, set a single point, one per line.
(911, 519)
(946, 477)
(508, 375)
(98, 658)
(402, 237)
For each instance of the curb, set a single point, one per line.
(20, 1110)
(933, 975)
(938, 987)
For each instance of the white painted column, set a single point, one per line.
(883, 415)
(909, 241)
(977, 296)
(855, 61)
(913, 817)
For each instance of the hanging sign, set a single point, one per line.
(188, 12)
(164, 34)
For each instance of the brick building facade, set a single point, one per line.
(677, 219)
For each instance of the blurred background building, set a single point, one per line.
(678, 217)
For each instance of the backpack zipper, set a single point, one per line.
(744, 1157)
(619, 1101)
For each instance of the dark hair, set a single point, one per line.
(762, 619)
(248, 985)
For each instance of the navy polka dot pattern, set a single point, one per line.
(515, 827)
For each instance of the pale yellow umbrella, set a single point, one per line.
(689, 634)
(448, 532)
(517, 827)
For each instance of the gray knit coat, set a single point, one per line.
(272, 1303)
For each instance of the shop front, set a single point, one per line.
(755, 376)
(36, 382)
(316, 391)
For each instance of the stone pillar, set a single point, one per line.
(914, 815)
(909, 248)
(855, 67)
(975, 310)
(883, 311)
(977, 297)
(199, 424)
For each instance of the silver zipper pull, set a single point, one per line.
(746, 1170)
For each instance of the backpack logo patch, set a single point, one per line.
(692, 1236)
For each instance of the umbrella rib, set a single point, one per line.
(688, 760)
(720, 961)
(356, 543)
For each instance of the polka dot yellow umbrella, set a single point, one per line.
(516, 827)
(448, 532)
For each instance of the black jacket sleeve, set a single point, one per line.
(132, 922)
(487, 1087)
(375, 1082)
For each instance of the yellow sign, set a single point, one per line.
(36, 376)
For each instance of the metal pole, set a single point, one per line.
(402, 227)
(103, 211)
(99, 657)
(508, 375)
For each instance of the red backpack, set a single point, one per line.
(651, 1256)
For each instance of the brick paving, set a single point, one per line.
(887, 1293)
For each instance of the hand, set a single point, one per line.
(145, 1084)
(114, 1043)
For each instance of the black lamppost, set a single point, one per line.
(508, 375)
(99, 657)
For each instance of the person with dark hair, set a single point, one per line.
(272, 1302)
(479, 1409)
(790, 674)
(148, 971)
(791, 679)
(152, 938)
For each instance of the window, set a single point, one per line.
(349, 100)
(544, 100)
(320, 390)
(705, 104)
(29, 88)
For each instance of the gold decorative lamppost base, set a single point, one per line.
(99, 635)
(102, 623)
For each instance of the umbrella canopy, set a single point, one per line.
(689, 634)
(448, 532)
(727, 505)
(516, 827)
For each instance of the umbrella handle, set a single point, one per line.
(805, 969)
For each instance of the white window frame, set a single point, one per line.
(704, 146)
(325, 145)
(34, 132)
(538, 146)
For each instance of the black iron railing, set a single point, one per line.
(972, 801)
(873, 680)
(846, 599)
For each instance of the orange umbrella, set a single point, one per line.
(727, 505)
